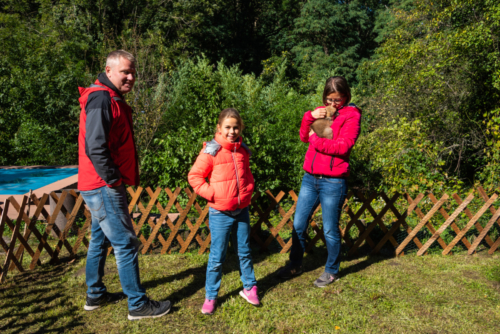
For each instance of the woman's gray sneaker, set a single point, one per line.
(325, 279)
(151, 309)
(107, 298)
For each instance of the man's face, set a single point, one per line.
(122, 75)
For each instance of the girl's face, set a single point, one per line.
(335, 100)
(229, 129)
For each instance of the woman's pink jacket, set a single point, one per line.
(330, 157)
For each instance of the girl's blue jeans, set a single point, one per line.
(222, 224)
(111, 224)
(331, 193)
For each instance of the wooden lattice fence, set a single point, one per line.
(369, 221)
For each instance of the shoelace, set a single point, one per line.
(154, 304)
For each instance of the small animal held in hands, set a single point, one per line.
(322, 126)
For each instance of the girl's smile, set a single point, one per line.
(229, 129)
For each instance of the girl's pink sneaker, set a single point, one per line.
(209, 306)
(251, 295)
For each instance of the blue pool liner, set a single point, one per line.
(18, 181)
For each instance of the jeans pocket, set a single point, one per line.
(334, 186)
(95, 203)
(334, 180)
(118, 199)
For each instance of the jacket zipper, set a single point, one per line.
(312, 163)
(237, 177)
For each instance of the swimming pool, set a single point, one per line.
(18, 181)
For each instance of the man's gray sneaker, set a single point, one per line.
(151, 309)
(107, 298)
(289, 271)
(325, 279)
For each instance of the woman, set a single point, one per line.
(327, 167)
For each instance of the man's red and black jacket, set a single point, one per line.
(106, 148)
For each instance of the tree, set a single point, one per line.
(440, 66)
(333, 37)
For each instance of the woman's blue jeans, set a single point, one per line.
(331, 193)
(222, 224)
(112, 224)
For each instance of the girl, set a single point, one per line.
(225, 160)
(327, 167)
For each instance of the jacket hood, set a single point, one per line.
(103, 79)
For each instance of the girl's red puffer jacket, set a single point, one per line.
(227, 167)
(330, 157)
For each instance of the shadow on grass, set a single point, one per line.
(314, 260)
(28, 302)
(199, 275)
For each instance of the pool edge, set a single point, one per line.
(58, 185)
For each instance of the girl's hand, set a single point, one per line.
(319, 113)
(311, 133)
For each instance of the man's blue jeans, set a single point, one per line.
(112, 224)
(222, 224)
(331, 193)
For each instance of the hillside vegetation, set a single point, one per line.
(425, 73)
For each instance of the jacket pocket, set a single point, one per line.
(212, 199)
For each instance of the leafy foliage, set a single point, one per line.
(425, 72)
(271, 112)
(333, 37)
(438, 66)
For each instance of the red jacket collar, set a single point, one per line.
(226, 143)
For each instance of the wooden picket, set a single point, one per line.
(376, 223)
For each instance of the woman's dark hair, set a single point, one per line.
(231, 113)
(337, 85)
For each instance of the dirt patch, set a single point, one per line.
(108, 270)
(332, 292)
(424, 312)
(80, 272)
(471, 274)
(496, 286)
(193, 304)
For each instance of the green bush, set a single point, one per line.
(272, 113)
(401, 157)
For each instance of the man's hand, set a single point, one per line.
(319, 113)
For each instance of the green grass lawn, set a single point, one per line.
(430, 294)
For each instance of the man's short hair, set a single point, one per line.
(114, 57)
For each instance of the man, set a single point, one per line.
(107, 161)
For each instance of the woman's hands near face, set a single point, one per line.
(319, 113)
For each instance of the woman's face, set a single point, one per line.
(335, 100)
(229, 129)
